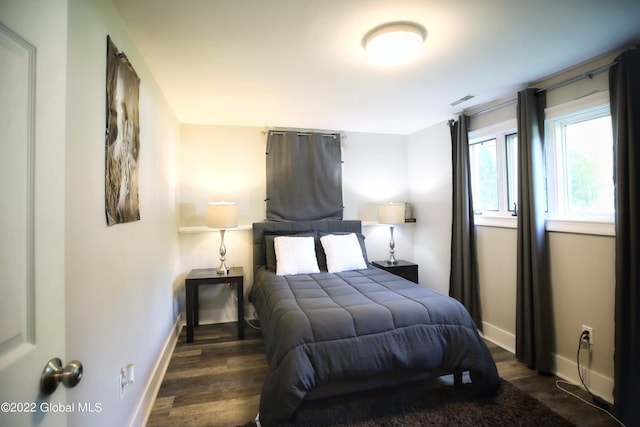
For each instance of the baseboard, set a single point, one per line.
(599, 384)
(500, 337)
(145, 405)
(566, 369)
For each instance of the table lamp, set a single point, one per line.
(392, 214)
(222, 215)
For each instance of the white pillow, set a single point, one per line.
(343, 252)
(295, 255)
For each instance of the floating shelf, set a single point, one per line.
(204, 229)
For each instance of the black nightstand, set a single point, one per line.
(402, 268)
(210, 276)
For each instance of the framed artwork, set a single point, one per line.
(122, 139)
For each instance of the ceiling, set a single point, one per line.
(300, 63)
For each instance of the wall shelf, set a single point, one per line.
(246, 227)
(204, 229)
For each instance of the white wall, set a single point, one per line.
(228, 162)
(430, 181)
(375, 170)
(119, 296)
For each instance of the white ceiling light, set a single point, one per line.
(394, 43)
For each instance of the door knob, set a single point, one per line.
(54, 373)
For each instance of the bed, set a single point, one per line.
(356, 327)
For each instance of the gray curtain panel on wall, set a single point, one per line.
(304, 176)
(534, 324)
(463, 278)
(624, 92)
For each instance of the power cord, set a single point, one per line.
(255, 314)
(600, 403)
(235, 296)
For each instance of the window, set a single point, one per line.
(493, 167)
(580, 163)
(484, 175)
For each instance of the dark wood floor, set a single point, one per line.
(216, 381)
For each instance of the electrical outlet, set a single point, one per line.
(126, 377)
(589, 330)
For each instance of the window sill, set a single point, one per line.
(496, 221)
(596, 227)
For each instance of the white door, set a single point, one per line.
(32, 328)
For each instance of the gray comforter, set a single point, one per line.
(324, 327)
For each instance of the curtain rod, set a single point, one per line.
(586, 75)
(305, 132)
(282, 132)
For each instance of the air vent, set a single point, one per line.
(461, 100)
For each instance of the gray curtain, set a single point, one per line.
(624, 90)
(304, 176)
(463, 278)
(534, 325)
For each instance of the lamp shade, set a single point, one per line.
(222, 214)
(391, 213)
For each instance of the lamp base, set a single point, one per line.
(392, 245)
(223, 270)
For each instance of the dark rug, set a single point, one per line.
(424, 405)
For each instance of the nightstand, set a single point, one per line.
(209, 276)
(402, 268)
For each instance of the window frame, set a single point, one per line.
(511, 173)
(504, 216)
(589, 107)
(493, 142)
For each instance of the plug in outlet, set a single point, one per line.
(126, 377)
(589, 330)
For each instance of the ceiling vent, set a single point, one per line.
(461, 100)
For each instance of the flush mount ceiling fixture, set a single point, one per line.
(394, 43)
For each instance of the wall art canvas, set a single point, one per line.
(122, 142)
